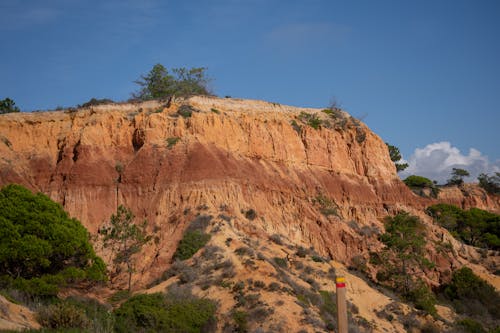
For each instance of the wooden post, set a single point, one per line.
(341, 305)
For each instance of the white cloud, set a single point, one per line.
(436, 161)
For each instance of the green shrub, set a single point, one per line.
(191, 242)
(100, 316)
(62, 315)
(310, 119)
(475, 226)
(418, 181)
(41, 248)
(96, 101)
(172, 141)
(328, 307)
(314, 122)
(215, 111)
(185, 111)
(472, 295)
(165, 313)
(76, 314)
(423, 298)
(241, 320)
(119, 296)
(251, 214)
(301, 252)
(317, 258)
(327, 206)
(281, 262)
(276, 238)
(470, 326)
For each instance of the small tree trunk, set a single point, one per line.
(129, 276)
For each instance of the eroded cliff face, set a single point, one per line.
(230, 156)
(468, 196)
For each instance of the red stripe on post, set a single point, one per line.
(340, 285)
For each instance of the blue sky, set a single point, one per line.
(417, 72)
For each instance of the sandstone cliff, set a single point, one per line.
(232, 153)
(328, 187)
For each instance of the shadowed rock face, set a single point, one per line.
(236, 154)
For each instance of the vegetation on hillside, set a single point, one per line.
(474, 227)
(194, 238)
(335, 119)
(403, 258)
(160, 83)
(165, 313)
(474, 298)
(41, 248)
(125, 239)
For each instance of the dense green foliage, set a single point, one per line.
(395, 155)
(468, 325)
(405, 237)
(475, 226)
(164, 313)
(7, 105)
(418, 183)
(491, 184)
(457, 176)
(41, 248)
(194, 238)
(125, 239)
(404, 255)
(160, 83)
(191, 242)
(472, 295)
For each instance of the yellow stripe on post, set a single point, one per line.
(341, 304)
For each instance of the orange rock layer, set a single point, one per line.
(234, 154)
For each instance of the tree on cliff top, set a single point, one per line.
(7, 105)
(457, 176)
(160, 83)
